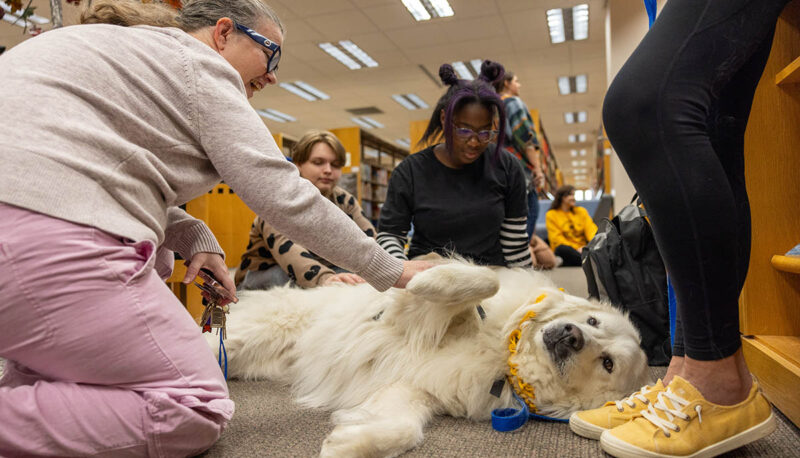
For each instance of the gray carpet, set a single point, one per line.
(268, 423)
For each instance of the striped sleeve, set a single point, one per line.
(393, 244)
(514, 241)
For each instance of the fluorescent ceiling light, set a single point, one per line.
(353, 59)
(568, 24)
(276, 115)
(441, 8)
(417, 100)
(405, 142)
(423, 10)
(573, 153)
(577, 138)
(580, 22)
(15, 18)
(578, 163)
(571, 117)
(366, 122)
(583, 152)
(580, 83)
(579, 171)
(312, 90)
(417, 10)
(476, 65)
(572, 84)
(358, 53)
(299, 92)
(410, 101)
(462, 70)
(339, 55)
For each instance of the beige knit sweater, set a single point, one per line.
(113, 127)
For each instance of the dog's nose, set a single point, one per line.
(573, 337)
(568, 335)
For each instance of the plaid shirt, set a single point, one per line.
(520, 129)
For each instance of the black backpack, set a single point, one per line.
(623, 265)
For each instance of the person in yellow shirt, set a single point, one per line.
(569, 227)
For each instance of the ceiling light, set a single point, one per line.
(568, 24)
(15, 18)
(577, 138)
(578, 163)
(366, 122)
(276, 115)
(572, 117)
(476, 65)
(462, 70)
(573, 153)
(440, 7)
(580, 22)
(572, 84)
(312, 90)
(339, 55)
(422, 10)
(417, 100)
(404, 142)
(358, 53)
(410, 101)
(296, 90)
(583, 152)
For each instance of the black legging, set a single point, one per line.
(676, 115)
(570, 256)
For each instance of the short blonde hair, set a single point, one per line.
(302, 150)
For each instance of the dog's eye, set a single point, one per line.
(608, 364)
(592, 321)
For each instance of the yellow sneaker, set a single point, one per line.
(680, 423)
(592, 423)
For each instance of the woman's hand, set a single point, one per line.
(345, 277)
(214, 263)
(411, 268)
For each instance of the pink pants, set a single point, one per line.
(103, 360)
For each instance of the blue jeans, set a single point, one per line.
(533, 212)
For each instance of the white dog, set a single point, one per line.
(387, 362)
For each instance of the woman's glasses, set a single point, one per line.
(272, 58)
(483, 136)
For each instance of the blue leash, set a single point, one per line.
(222, 352)
(511, 419)
(650, 6)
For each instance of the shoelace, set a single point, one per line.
(638, 395)
(677, 402)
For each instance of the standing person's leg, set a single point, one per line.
(123, 369)
(533, 211)
(676, 115)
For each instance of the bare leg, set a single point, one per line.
(725, 381)
(675, 367)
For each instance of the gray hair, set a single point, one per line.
(195, 14)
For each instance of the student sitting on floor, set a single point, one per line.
(272, 259)
(569, 227)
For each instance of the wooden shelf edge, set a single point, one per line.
(790, 74)
(789, 264)
(777, 376)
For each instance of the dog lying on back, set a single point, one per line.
(385, 363)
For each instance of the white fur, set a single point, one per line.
(385, 363)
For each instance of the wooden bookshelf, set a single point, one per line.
(370, 164)
(770, 302)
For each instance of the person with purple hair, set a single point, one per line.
(465, 195)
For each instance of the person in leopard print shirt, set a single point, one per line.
(273, 259)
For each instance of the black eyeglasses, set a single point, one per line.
(483, 136)
(272, 59)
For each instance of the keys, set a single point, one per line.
(217, 298)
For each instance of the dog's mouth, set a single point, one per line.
(563, 341)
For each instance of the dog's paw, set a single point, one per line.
(455, 282)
